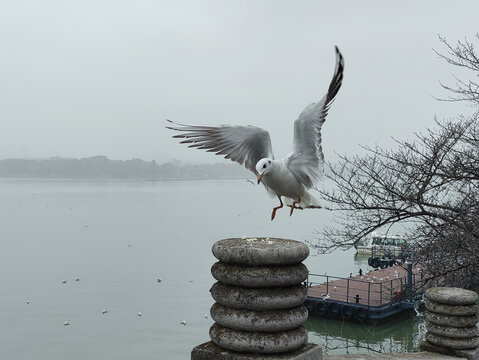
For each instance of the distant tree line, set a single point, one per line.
(102, 167)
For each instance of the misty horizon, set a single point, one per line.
(214, 160)
(100, 166)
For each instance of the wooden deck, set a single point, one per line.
(376, 288)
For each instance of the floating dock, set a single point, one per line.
(373, 296)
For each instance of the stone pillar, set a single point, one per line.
(259, 311)
(452, 316)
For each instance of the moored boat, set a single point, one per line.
(382, 244)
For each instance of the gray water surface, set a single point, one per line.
(118, 238)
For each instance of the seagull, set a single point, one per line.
(183, 322)
(105, 310)
(139, 313)
(64, 282)
(158, 280)
(290, 177)
(66, 323)
(28, 301)
(206, 316)
(416, 308)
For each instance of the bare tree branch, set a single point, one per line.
(428, 186)
(462, 55)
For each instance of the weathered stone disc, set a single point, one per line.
(260, 251)
(450, 320)
(259, 299)
(452, 332)
(210, 351)
(457, 344)
(259, 276)
(452, 296)
(258, 342)
(263, 321)
(457, 310)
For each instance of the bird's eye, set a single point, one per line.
(269, 161)
(264, 166)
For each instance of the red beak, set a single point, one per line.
(260, 176)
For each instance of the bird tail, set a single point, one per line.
(308, 201)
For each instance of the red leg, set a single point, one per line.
(276, 208)
(294, 204)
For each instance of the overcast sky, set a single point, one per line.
(82, 78)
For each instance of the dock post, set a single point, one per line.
(391, 293)
(409, 281)
(347, 293)
(369, 293)
(452, 316)
(259, 311)
(380, 293)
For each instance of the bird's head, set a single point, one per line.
(263, 167)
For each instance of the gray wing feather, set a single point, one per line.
(307, 159)
(245, 145)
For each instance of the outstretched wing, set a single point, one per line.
(307, 159)
(244, 144)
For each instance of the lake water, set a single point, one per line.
(117, 238)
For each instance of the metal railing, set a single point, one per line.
(375, 292)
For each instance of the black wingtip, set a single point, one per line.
(169, 127)
(340, 58)
(337, 79)
(175, 123)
